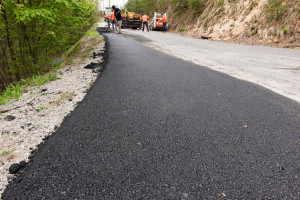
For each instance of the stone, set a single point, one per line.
(14, 168)
(10, 117)
(292, 40)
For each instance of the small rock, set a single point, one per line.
(28, 124)
(22, 127)
(10, 117)
(292, 40)
(185, 195)
(50, 132)
(14, 168)
(44, 90)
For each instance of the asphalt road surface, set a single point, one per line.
(277, 69)
(156, 127)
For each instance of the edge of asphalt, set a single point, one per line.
(41, 145)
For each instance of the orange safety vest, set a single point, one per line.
(145, 18)
(112, 16)
(163, 19)
(107, 16)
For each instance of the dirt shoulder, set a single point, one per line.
(42, 109)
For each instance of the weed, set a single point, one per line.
(275, 9)
(231, 25)
(205, 27)
(220, 3)
(283, 26)
(5, 152)
(252, 28)
(39, 108)
(255, 21)
(91, 33)
(69, 61)
(182, 29)
(285, 31)
(203, 18)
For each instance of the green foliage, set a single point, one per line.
(220, 3)
(14, 91)
(39, 108)
(33, 33)
(182, 29)
(275, 9)
(285, 31)
(91, 33)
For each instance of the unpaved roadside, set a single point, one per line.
(44, 108)
(277, 69)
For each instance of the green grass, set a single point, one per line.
(39, 108)
(5, 152)
(182, 29)
(91, 33)
(14, 91)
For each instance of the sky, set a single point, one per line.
(117, 3)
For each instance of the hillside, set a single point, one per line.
(258, 22)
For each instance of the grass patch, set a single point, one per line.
(39, 108)
(5, 152)
(14, 91)
(182, 29)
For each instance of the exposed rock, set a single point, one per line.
(14, 168)
(292, 40)
(10, 117)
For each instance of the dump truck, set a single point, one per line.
(155, 23)
(131, 20)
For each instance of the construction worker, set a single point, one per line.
(164, 21)
(108, 20)
(145, 22)
(118, 17)
(113, 20)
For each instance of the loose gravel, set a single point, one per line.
(42, 111)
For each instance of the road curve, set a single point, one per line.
(156, 127)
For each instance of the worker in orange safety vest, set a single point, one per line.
(108, 20)
(113, 20)
(145, 22)
(164, 21)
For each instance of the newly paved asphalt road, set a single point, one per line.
(157, 127)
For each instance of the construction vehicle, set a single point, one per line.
(131, 20)
(156, 23)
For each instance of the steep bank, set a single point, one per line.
(257, 22)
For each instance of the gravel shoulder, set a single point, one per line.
(42, 110)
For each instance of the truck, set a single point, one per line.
(131, 20)
(155, 23)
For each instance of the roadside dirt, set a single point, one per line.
(243, 22)
(43, 109)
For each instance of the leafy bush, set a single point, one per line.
(182, 29)
(275, 9)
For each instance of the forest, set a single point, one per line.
(35, 33)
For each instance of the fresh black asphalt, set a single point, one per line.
(156, 127)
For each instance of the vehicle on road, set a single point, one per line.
(156, 23)
(131, 20)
